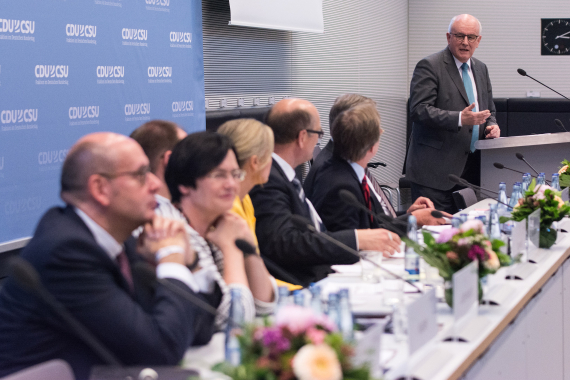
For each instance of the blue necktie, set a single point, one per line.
(469, 90)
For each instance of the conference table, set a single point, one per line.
(525, 336)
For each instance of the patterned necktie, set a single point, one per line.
(366, 191)
(471, 95)
(316, 223)
(384, 202)
(123, 262)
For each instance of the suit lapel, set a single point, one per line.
(454, 74)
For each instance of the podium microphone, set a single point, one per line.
(498, 165)
(521, 157)
(27, 278)
(304, 224)
(560, 125)
(524, 74)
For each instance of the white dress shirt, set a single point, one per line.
(360, 173)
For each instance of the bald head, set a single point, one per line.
(465, 19)
(288, 117)
(95, 153)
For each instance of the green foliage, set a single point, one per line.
(565, 177)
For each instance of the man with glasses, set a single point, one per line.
(85, 255)
(451, 106)
(302, 253)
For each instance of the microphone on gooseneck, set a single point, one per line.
(350, 199)
(498, 165)
(374, 165)
(460, 181)
(304, 224)
(521, 157)
(28, 278)
(524, 74)
(560, 125)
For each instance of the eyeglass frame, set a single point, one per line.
(237, 174)
(140, 174)
(469, 36)
(319, 133)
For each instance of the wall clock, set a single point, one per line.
(555, 36)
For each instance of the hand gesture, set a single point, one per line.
(468, 117)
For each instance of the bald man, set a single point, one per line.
(303, 254)
(84, 253)
(451, 106)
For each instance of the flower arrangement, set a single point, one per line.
(455, 248)
(564, 174)
(552, 209)
(298, 345)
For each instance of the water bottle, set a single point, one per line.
(463, 217)
(411, 258)
(493, 227)
(346, 320)
(282, 299)
(482, 218)
(526, 179)
(502, 198)
(235, 322)
(316, 304)
(556, 182)
(515, 195)
(333, 309)
(540, 179)
(299, 297)
(455, 222)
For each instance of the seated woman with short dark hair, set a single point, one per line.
(203, 177)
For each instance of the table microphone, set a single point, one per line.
(304, 224)
(521, 157)
(460, 181)
(28, 278)
(374, 165)
(498, 165)
(560, 125)
(524, 74)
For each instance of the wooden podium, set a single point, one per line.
(544, 152)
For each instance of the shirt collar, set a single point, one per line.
(288, 169)
(359, 170)
(458, 63)
(102, 237)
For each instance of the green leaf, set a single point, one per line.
(504, 219)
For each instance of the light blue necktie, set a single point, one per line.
(469, 89)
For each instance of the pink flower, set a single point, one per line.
(476, 253)
(451, 255)
(298, 319)
(316, 336)
(463, 241)
(446, 235)
(493, 262)
(475, 225)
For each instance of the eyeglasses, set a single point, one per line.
(221, 175)
(460, 37)
(320, 133)
(140, 175)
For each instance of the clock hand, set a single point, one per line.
(566, 38)
(562, 35)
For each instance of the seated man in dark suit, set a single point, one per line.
(356, 132)
(306, 255)
(84, 253)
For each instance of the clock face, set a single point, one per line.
(555, 39)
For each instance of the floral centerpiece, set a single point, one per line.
(455, 248)
(564, 174)
(298, 345)
(552, 209)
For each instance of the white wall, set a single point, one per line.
(511, 40)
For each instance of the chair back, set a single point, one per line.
(464, 198)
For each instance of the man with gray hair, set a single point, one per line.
(451, 107)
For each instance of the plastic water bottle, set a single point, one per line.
(345, 314)
(515, 195)
(502, 198)
(526, 179)
(235, 322)
(493, 227)
(282, 299)
(482, 218)
(411, 258)
(333, 309)
(463, 217)
(455, 222)
(540, 179)
(316, 303)
(556, 182)
(299, 297)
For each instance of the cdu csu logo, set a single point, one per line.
(19, 116)
(52, 71)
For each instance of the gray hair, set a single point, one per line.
(455, 18)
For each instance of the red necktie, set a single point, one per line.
(366, 191)
(125, 268)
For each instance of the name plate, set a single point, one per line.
(422, 322)
(466, 291)
(518, 239)
(367, 351)
(564, 194)
(533, 233)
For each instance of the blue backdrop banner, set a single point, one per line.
(69, 68)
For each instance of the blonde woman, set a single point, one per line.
(253, 142)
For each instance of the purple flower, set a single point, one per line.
(272, 337)
(446, 235)
(476, 253)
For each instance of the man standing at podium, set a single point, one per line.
(451, 107)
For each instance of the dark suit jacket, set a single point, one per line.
(318, 162)
(438, 147)
(304, 254)
(151, 330)
(334, 175)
